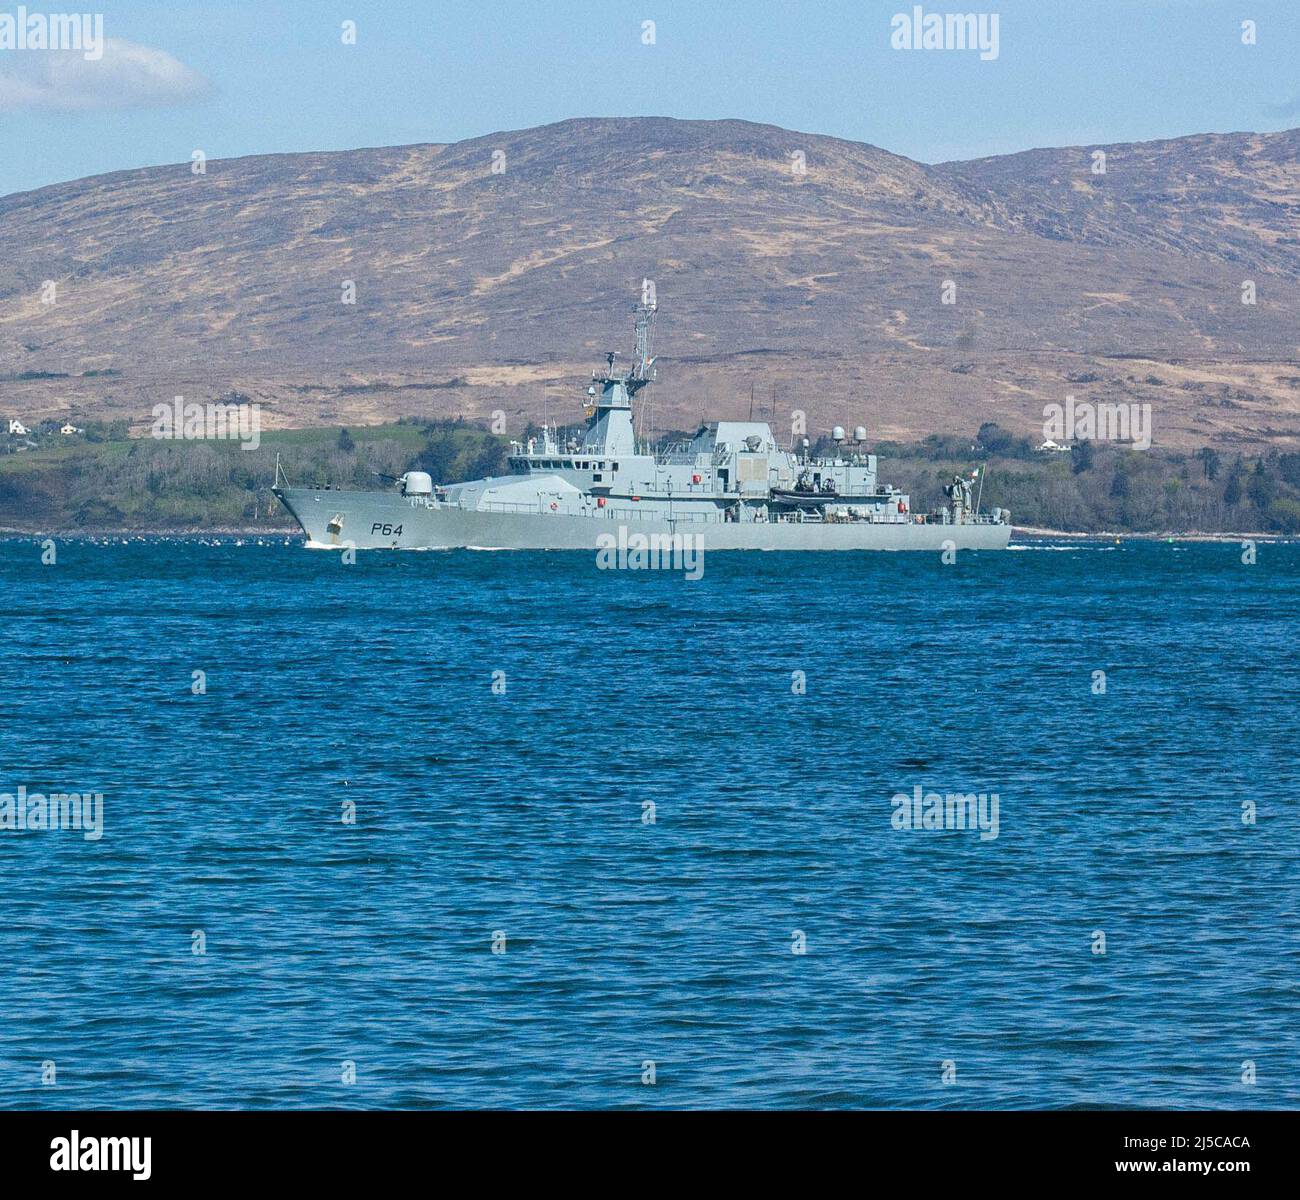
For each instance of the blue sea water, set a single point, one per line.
(627, 941)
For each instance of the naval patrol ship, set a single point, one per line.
(730, 485)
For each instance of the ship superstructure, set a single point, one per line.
(730, 483)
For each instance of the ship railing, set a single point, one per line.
(679, 452)
(651, 514)
(508, 506)
(718, 517)
(628, 513)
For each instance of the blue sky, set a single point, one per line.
(245, 77)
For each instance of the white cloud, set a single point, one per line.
(128, 76)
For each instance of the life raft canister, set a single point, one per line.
(695, 479)
(554, 506)
(902, 507)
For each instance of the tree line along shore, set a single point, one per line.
(100, 479)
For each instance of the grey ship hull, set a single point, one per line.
(372, 521)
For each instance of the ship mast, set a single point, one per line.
(610, 416)
(642, 371)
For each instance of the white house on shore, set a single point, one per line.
(69, 429)
(1051, 447)
(18, 429)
